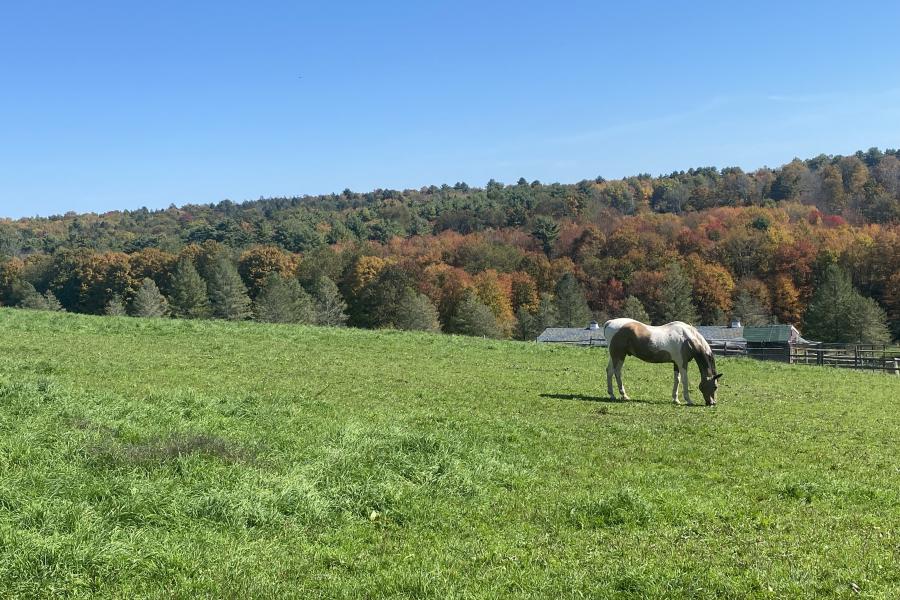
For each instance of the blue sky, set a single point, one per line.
(116, 105)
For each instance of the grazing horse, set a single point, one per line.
(675, 342)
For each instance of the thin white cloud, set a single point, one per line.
(639, 125)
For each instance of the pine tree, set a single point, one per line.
(675, 302)
(415, 312)
(227, 293)
(148, 301)
(473, 317)
(282, 300)
(34, 300)
(115, 307)
(633, 309)
(571, 306)
(867, 321)
(530, 326)
(546, 230)
(189, 298)
(51, 303)
(838, 313)
(750, 311)
(330, 307)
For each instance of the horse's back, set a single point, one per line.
(611, 327)
(687, 333)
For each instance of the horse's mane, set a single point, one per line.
(704, 356)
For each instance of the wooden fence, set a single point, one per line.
(866, 357)
(869, 357)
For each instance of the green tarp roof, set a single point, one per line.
(768, 333)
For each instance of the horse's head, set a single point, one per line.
(708, 388)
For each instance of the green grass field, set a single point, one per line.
(201, 459)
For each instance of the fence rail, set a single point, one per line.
(845, 356)
(867, 357)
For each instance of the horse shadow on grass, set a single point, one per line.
(586, 398)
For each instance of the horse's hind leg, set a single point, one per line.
(675, 387)
(618, 371)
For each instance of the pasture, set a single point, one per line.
(204, 459)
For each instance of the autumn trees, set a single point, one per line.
(700, 245)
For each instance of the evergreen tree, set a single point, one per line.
(330, 307)
(148, 301)
(750, 311)
(415, 312)
(675, 302)
(115, 307)
(189, 298)
(473, 317)
(571, 307)
(227, 293)
(633, 309)
(282, 300)
(546, 230)
(51, 303)
(530, 326)
(867, 321)
(34, 300)
(838, 313)
(31, 298)
(378, 303)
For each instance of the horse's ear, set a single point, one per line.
(717, 376)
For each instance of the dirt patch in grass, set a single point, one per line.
(161, 449)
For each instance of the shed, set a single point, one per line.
(773, 342)
(786, 334)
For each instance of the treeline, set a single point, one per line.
(502, 261)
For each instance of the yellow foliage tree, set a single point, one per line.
(786, 300)
(489, 290)
(259, 262)
(364, 271)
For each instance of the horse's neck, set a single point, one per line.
(707, 364)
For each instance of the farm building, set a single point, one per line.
(592, 335)
(768, 342)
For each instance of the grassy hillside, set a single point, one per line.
(186, 459)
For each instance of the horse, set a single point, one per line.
(674, 342)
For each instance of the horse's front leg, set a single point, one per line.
(618, 371)
(675, 387)
(609, 378)
(685, 386)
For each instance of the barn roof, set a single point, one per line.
(718, 333)
(572, 335)
(772, 333)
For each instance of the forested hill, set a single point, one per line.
(503, 260)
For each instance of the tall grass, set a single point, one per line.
(203, 459)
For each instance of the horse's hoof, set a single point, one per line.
(676, 402)
(625, 398)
